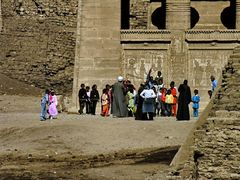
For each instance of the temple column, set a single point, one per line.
(178, 14)
(237, 14)
(98, 48)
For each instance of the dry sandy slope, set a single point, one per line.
(87, 134)
(13, 87)
(26, 144)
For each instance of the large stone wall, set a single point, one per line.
(98, 49)
(176, 58)
(139, 59)
(38, 42)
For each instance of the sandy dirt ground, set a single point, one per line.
(83, 146)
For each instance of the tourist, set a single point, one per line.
(139, 103)
(44, 103)
(105, 103)
(159, 78)
(149, 80)
(183, 101)
(210, 93)
(131, 105)
(160, 84)
(94, 97)
(52, 110)
(119, 105)
(169, 103)
(195, 105)
(82, 95)
(174, 93)
(148, 104)
(109, 89)
(88, 101)
(158, 102)
(214, 83)
(163, 104)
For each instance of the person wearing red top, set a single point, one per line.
(174, 93)
(105, 103)
(163, 107)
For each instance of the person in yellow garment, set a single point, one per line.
(169, 103)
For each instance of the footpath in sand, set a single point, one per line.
(83, 146)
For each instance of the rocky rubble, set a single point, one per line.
(215, 152)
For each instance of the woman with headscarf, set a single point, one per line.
(183, 101)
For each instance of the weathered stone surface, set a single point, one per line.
(38, 42)
(216, 142)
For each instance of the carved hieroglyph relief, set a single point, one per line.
(206, 63)
(137, 63)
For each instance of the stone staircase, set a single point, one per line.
(228, 97)
(214, 146)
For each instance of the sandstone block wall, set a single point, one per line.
(38, 42)
(98, 48)
(139, 14)
(215, 150)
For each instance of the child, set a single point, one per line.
(88, 102)
(52, 110)
(195, 105)
(105, 103)
(163, 99)
(174, 93)
(131, 104)
(109, 89)
(44, 102)
(169, 102)
(210, 93)
(158, 101)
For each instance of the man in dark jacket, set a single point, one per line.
(82, 95)
(94, 97)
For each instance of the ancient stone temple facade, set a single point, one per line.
(185, 39)
(61, 44)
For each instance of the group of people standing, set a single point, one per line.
(48, 105)
(154, 98)
(123, 100)
(150, 100)
(88, 98)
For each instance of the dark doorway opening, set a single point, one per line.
(228, 16)
(125, 14)
(159, 17)
(194, 17)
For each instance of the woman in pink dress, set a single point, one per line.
(52, 109)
